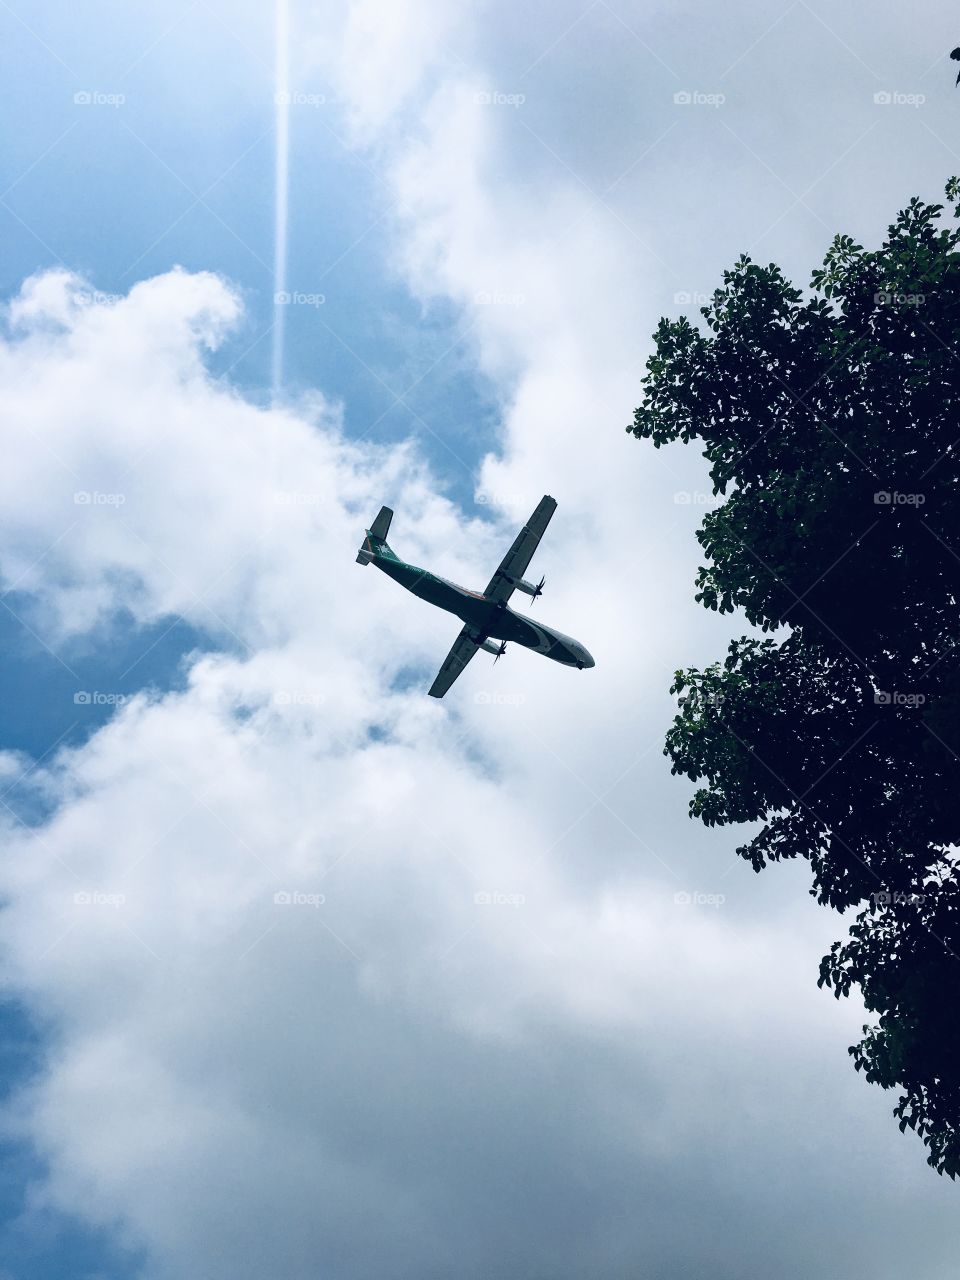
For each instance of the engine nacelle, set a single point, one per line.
(528, 588)
(491, 646)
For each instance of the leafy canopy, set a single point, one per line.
(831, 423)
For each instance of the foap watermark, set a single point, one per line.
(690, 298)
(893, 897)
(297, 898)
(96, 698)
(893, 698)
(892, 498)
(699, 899)
(484, 298)
(293, 498)
(697, 98)
(94, 498)
(296, 98)
(485, 698)
(297, 298)
(299, 698)
(894, 298)
(897, 98)
(96, 898)
(700, 699)
(95, 298)
(696, 498)
(493, 898)
(496, 98)
(499, 498)
(97, 98)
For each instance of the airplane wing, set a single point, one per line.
(464, 647)
(515, 562)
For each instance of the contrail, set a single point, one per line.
(281, 184)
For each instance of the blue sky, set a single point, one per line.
(122, 192)
(207, 703)
(112, 192)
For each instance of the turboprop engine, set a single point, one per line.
(491, 646)
(529, 589)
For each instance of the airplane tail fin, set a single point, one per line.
(375, 543)
(381, 526)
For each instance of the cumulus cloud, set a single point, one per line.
(326, 967)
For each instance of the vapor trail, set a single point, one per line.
(281, 185)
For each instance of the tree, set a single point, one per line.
(831, 423)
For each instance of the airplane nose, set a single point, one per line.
(585, 660)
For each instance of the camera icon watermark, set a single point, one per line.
(296, 898)
(896, 98)
(494, 898)
(697, 98)
(95, 698)
(96, 98)
(93, 498)
(696, 498)
(884, 698)
(299, 698)
(484, 298)
(699, 899)
(293, 498)
(891, 298)
(495, 98)
(893, 897)
(96, 298)
(95, 898)
(499, 498)
(298, 298)
(700, 699)
(295, 98)
(888, 498)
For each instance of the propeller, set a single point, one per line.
(500, 652)
(537, 591)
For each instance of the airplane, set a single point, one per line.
(486, 615)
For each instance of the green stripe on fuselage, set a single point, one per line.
(470, 608)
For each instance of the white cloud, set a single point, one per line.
(376, 55)
(222, 1063)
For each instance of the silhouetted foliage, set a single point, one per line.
(832, 426)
